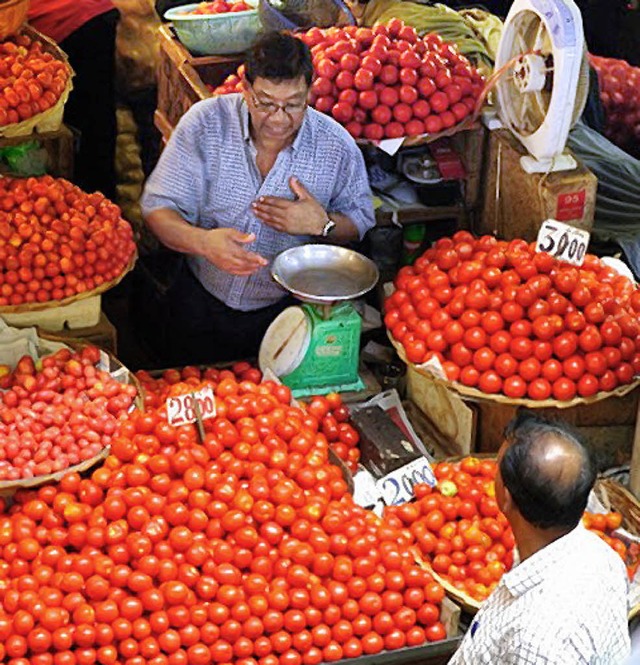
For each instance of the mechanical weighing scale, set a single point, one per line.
(314, 348)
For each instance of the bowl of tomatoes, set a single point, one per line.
(221, 27)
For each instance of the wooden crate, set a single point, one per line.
(516, 203)
(607, 426)
(183, 78)
(58, 146)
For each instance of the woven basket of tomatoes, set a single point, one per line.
(459, 533)
(36, 83)
(462, 537)
(503, 323)
(387, 82)
(59, 412)
(58, 244)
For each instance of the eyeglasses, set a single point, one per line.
(271, 108)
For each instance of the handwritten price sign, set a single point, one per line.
(566, 243)
(397, 487)
(184, 409)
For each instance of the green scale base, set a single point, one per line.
(330, 363)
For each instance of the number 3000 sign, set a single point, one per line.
(565, 242)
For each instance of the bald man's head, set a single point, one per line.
(547, 471)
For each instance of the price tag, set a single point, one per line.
(397, 487)
(182, 408)
(566, 243)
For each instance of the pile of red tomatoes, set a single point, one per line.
(331, 414)
(507, 320)
(458, 527)
(58, 415)
(386, 81)
(246, 548)
(31, 80)
(56, 241)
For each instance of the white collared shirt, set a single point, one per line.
(564, 605)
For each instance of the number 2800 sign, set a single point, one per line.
(566, 243)
(183, 409)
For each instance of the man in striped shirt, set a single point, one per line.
(565, 603)
(244, 177)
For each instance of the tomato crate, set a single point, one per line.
(183, 79)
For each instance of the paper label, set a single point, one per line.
(571, 206)
(181, 409)
(565, 242)
(397, 487)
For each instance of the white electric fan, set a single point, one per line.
(544, 87)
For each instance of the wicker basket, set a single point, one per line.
(615, 497)
(51, 119)
(479, 396)
(8, 487)
(13, 14)
(51, 304)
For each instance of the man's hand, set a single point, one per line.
(224, 248)
(304, 216)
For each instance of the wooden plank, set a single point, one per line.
(446, 410)
(634, 478)
(183, 79)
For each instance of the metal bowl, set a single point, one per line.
(324, 273)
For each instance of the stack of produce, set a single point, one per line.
(459, 530)
(56, 241)
(331, 415)
(507, 320)
(386, 82)
(620, 94)
(245, 549)
(158, 388)
(61, 413)
(475, 32)
(31, 80)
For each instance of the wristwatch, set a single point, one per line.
(329, 225)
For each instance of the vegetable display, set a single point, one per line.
(245, 549)
(331, 414)
(31, 81)
(507, 320)
(475, 32)
(460, 532)
(59, 414)
(386, 82)
(620, 95)
(458, 527)
(56, 241)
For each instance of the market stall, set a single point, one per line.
(333, 499)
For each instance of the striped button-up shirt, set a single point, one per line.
(208, 174)
(564, 605)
